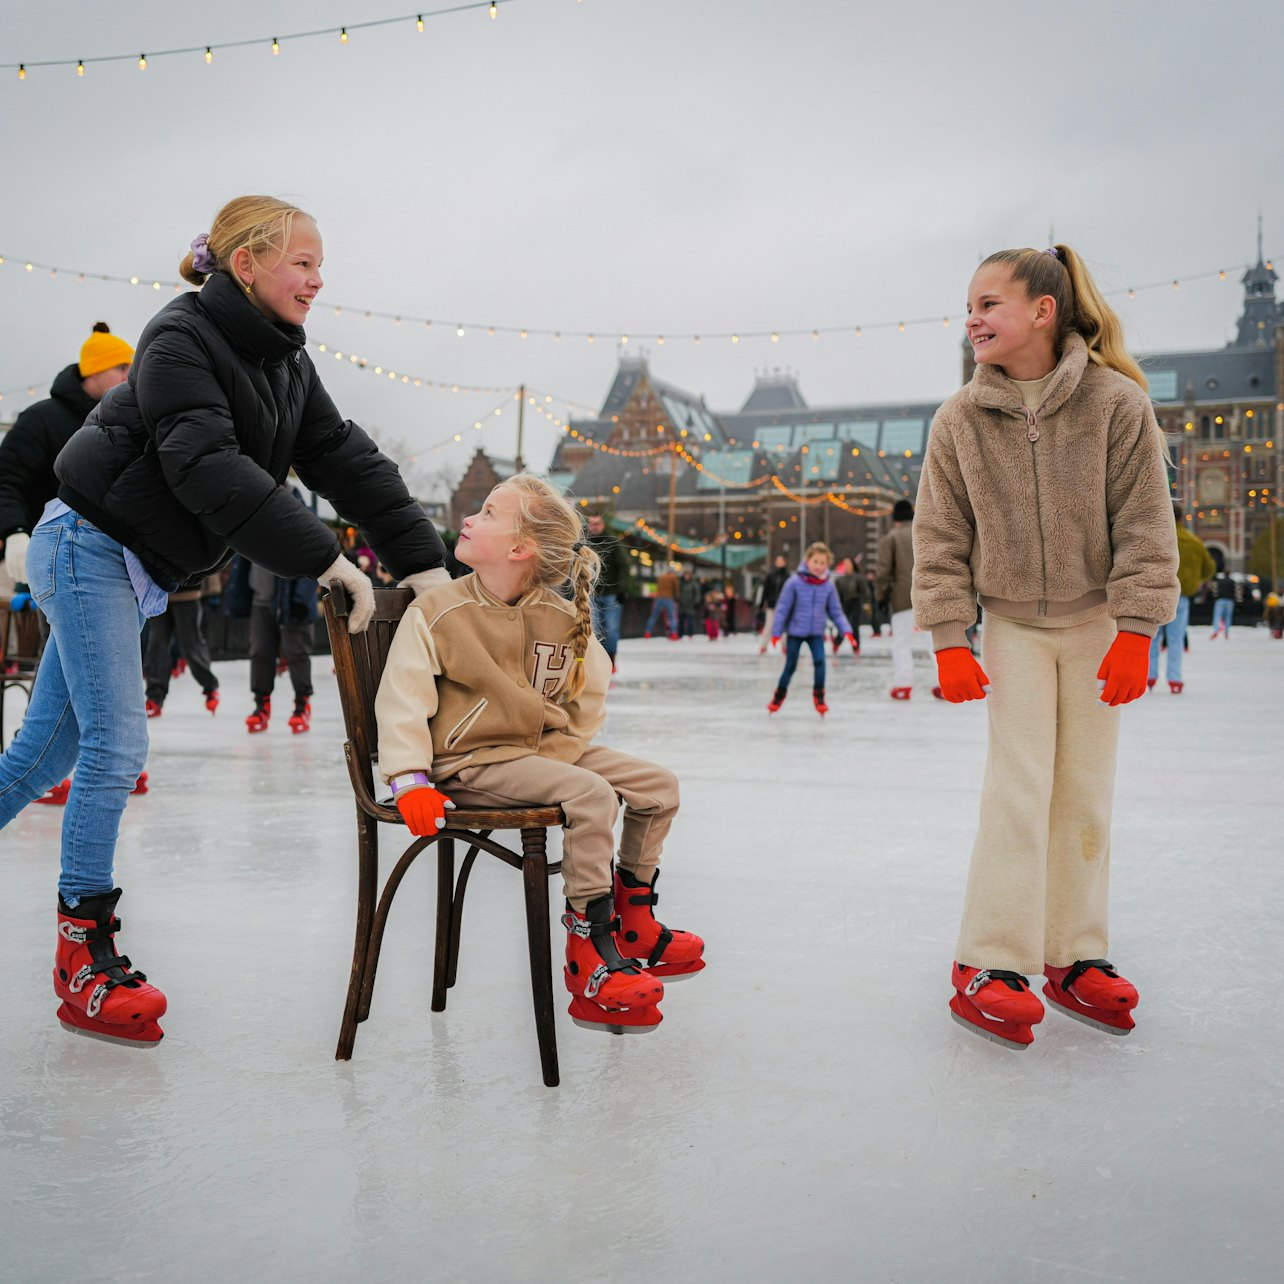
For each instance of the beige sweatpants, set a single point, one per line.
(1038, 882)
(589, 792)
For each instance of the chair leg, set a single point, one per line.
(367, 880)
(445, 904)
(535, 881)
(457, 915)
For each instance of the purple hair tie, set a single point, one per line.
(202, 260)
(1053, 253)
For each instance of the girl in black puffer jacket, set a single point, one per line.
(172, 471)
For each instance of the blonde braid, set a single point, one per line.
(555, 531)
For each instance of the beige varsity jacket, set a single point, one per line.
(1050, 515)
(471, 679)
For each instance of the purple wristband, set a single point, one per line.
(409, 780)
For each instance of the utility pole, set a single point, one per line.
(673, 495)
(521, 417)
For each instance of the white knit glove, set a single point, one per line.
(15, 556)
(342, 571)
(422, 581)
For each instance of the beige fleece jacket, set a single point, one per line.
(1052, 515)
(471, 679)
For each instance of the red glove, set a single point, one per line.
(1123, 673)
(959, 675)
(423, 810)
(852, 640)
(775, 641)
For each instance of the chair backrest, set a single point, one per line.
(20, 638)
(359, 660)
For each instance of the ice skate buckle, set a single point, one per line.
(600, 974)
(980, 979)
(580, 927)
(70, 932)
(77, 982)
(96, 1000)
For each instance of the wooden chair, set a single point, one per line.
(21, 645)
(359, 661)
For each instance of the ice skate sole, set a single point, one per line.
(603, 1027)
(1096, 1022)
(669, 972)
(1007, 1034)
(123, 1040)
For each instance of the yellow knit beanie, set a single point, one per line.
(103, 350)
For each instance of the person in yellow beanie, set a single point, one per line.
(29, 448)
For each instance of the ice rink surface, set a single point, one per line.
(806, 1111)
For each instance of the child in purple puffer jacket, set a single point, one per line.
(808, 597)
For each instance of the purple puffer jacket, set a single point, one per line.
(803, 605)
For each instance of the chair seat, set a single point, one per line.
(490, 817)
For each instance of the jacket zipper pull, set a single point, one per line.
(1032, 423)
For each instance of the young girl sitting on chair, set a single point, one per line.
(494, 688)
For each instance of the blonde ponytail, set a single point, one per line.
(1062, 274)
(553, 529)
(1097, 321)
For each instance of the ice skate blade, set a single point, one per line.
(123, 1040)
(1098, 1023)
(982, 1033)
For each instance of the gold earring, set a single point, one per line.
(249, 289)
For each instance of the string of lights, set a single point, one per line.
(463, 329)
(274, 43)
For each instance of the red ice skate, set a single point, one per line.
(900, 693)
(996, 1005)
(140, 785)
(777, 700)
(669, 953)
(1176, 687)
(100, 996)
(606, 990)
(301, 718)
(57, 796)
(818, 699)
(1092, 991)
(1150, 683)
(154, 709)
(180, 668)
(262, 715)
(211, 700)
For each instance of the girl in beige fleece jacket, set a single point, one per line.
(1044, 494)
(496, 685)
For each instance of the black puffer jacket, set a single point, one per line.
(188, 457)
(29, 448)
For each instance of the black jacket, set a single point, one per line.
(773, 585)
(189, 456)
(29, 448)
(615, 564)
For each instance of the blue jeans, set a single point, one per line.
(606, 621)
(1175, 633)
(670, 609)
(86, 708)
(1223, 614)
(793, 645)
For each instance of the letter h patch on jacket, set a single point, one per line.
(550, 667)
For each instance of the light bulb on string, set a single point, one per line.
(209, 55)
(80, 67)
(22, 71)
(142, 62)
(276, 47)
(343, 35)
(494, 9)
(419, 22)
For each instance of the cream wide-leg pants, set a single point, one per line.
(1038, 882)
(589, 792)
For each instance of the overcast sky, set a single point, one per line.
(641, 167)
